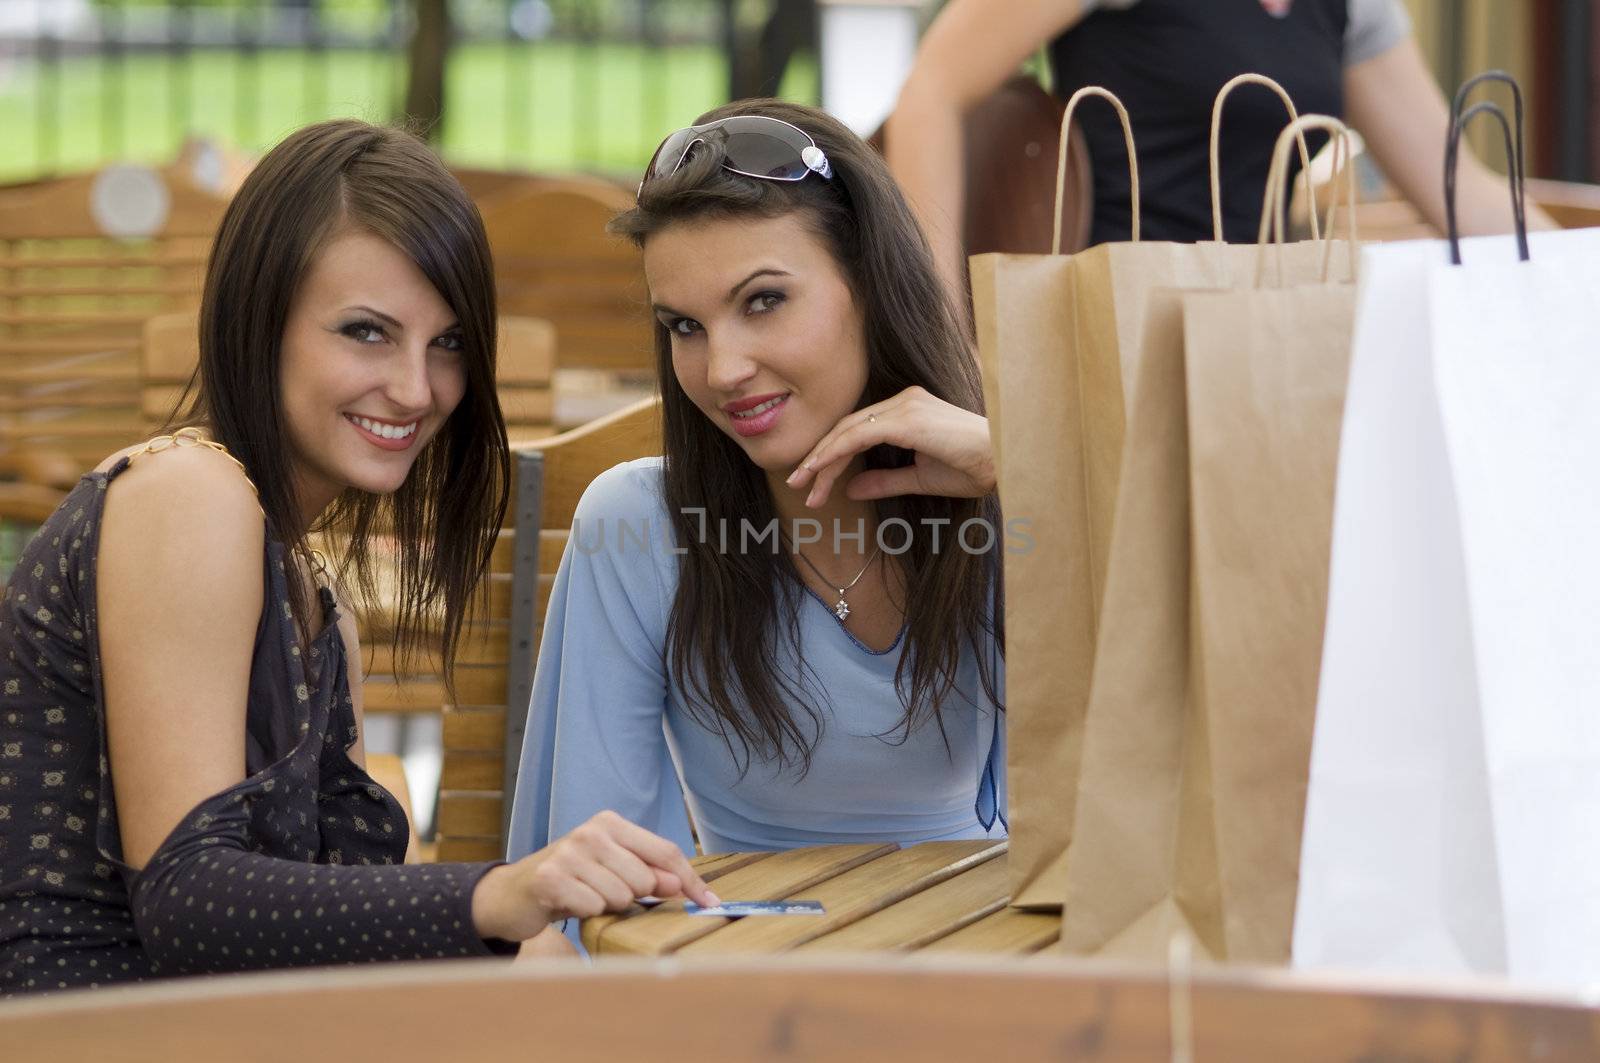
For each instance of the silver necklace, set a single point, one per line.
(841, 608)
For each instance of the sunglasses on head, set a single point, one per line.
(753, 145)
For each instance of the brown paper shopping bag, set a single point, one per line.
(1060, 338)
(1196, 736)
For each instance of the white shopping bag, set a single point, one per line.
(1453, 812)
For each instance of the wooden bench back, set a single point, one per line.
(846, 1009)
(554, 260)
(73, 301)
(483, 740)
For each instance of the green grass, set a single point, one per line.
(545, 106)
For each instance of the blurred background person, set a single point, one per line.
(1166, 60)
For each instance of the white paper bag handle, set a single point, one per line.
(1216, 149)
(1061, 161)
(1271, 233)
(1515, 159)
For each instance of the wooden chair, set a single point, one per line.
(483, 738)
(483, 184)
(73, 301)
(554, 260)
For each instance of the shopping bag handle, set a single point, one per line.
(1216, 149)
(1271, 233)
(1061, 162)
(1515, 159)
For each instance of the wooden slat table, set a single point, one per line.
(938, 897)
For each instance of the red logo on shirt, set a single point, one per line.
(1278, 8)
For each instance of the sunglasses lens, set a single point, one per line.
(751, 144)
(670, 153)
(765, 148)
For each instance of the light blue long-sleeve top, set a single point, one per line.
(608, 727)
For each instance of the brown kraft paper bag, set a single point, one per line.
(1198, 730)
(1060, 337)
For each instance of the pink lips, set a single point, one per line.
(383, 442)
(761, 422)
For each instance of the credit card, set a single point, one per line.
(739, 909)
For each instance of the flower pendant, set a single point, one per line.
(841, 608)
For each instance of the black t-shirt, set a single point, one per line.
(1166, 60)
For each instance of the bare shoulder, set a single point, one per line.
(197, 492)
(180, 522)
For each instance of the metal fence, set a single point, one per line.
(530, 84)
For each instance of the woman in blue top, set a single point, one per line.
(795, 612)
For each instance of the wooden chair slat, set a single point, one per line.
(851, 896)
(378, 655)
(381, 622)
(468, 850)
(470, 815)
(95, 317)
(406, 697)
(474, 686)
(32, 265)
(787, 874)
(527, 354)
(94, 365)
(71, 289)
(474, 730)
(479, 772)
(527, 406)
(926, 916)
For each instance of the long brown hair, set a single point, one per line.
(445, 517)
(731, 608)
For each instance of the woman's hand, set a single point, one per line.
(602, 866)
(954, 457)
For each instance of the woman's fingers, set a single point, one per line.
(574, 897)
(663, 855)
(641, 878)
(614, 892)
(877, 423)
(884, 483)
(667, 885)
(826, 477)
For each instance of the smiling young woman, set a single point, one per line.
(780, 627)
(182, 783)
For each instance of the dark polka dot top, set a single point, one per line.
(298, 864)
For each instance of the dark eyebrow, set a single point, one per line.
(380, 315)
(765, 271)
(454, 326)
(733, 293)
